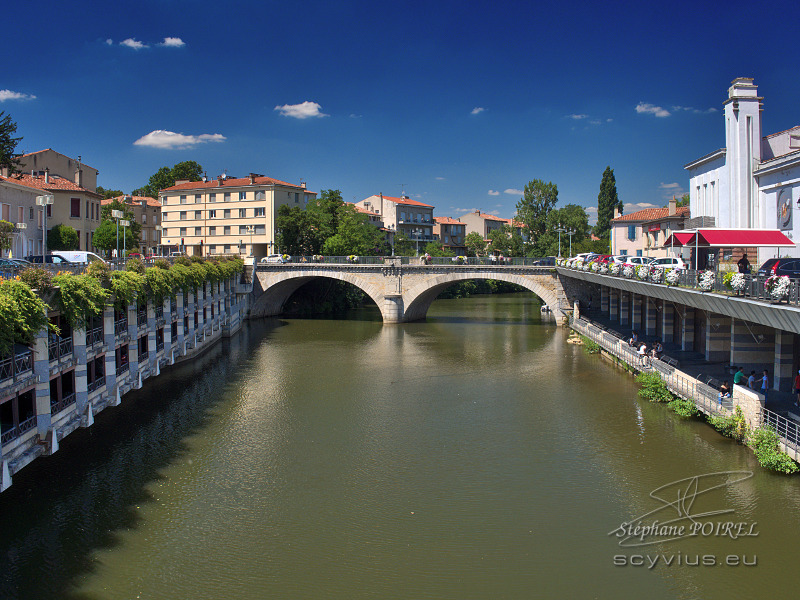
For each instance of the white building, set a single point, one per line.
(754, 181)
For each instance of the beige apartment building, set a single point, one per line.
(226, 215)
(72, 205)
(18, 206)
(410, 217)
(146, 211)
(482, 223)
(451, 233)
(35, 163)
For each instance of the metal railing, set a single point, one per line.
(94, 336)
(123, 369)
(97, 384)
(788, 431)
(141, 317)
(56, 406)
(144, 354)
(17, 430)
(159, 346)
(406, 260)
(17, 365)
(121, 326)
(160, 311)
(58, 347)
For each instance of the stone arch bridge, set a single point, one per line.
(402, 292)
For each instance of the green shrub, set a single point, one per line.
(733, 426)
(685, 409)
(136, 265)
(653, 388)
(768, 453)
(127, 287)
(183, 260)
(100, 271)
(79, 297)
(590, 346)
(158, 284)
(162, 263)
(197, 259)
(22, 314)
(37, 278)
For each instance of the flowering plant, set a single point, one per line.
(737, 282)
(642, 272)
(628, 271)
(286, 257)
(777, 286)
(460, 259)
(614, 268)
(319, 258)
(707, 280)
(586, 266)
(671, 276)
(426, 259)
(603, 269)
(352, 259)
(595, 267)
(656, 274)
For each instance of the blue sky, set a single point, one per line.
(460, 104)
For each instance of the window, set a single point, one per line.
(183, 231)
(402, 216)
(166, 216)
(183, 215)
(226, 230)
(623, 253)
(144, 217)
(197, 199)
(242, 229)
(296, 197)
(227, 197)
(30, 214)
(183, 199)
(242, 195)
(164, 200)
(212, 231)
(20, 214)
(638, 253)
(261, 230)
(75, 208)
(212, 249)
(260, 212)
(631, 232)
(212, 197)
(49, 211)
(39, 216)
(87, 208)
(212, 214)
(198, 214)
(226, 213)
(198, 231)
(226, 248)
(242, 213)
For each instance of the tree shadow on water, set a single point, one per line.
(62, 509)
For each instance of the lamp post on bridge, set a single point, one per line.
(570, 233)
(44, 201)
(559, 229)
(117, 215)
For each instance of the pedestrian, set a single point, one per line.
(751, 381)
(740, 377)
(724, 391)
(765, 384)
(797, 390)
(634, 341)
(643, 354)
(744, 264)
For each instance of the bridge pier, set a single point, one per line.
(392, 310)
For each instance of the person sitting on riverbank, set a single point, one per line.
(634, 341)
(724, 391)
(740, 377)
(659, 349)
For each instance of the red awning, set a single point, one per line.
(729, 238)
(678, 239)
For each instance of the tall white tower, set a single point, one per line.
(743, 155)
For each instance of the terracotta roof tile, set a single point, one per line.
(406, 201)
(134, 200)
(230, 182)
(56, 183)
(651, 214)
(448, 221)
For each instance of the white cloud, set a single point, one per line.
(669, 186)
(304, 110)
(651, 109)
(464, 210)
(594, 122)
(513, 192)
(634, 206)
(494, 193)
(577, 117)
(440, 179)
(696, 111)
(9, 95)
(355, 116)
(609, 120)
(477, 110)
(133, 43)
(109, 42)
(173, 42)
(170, 140)
(590, 209)
(671, 189)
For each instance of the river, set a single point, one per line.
(474, 455)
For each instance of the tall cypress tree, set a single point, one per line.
(607, 201)
(9, 158)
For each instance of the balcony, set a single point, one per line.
(160, 311)
(141, 317)
(17, 366)
(59, 405)
(121, 326)
(58, 347)
(18, 430)
(159, 346)
(97, 384)
(94, 336)
(123, 368)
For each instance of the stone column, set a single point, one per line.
(624, 308)
(752, 346)
(151, 336)
(613, 305)
(604, 299)
(167, 328)
(668, 321)
(81, 368)
(783, 371)
(650, 317)
(718, 334)
(636, 312)
(133, 345)
(189, 335)
(687, 329)
(110, 345)
(41, 368)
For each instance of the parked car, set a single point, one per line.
(49, 258)
(136, 255)
(176, 254)
(619, 259)
(639, 260)
(669, 262)
(78, 256)
(603, 259)
(781, 266)
(8, 266)
(274, 258)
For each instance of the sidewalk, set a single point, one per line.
(695, 364)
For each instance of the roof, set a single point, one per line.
(730, 238)
(57, 152)
(232, 182)
(362, 209)
(653, 214)
(406, 201)
(478, 213)
(55, 184)
(134, 200)
(707, 158)
(448, 221)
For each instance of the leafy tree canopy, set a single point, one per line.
(166, 177)
(63, 237)
(9, 158)
(436, 249)
(403, 246)
(105, 237)
(684, 201)
(106, 194)
(6, 235)
(539, 199)
(607, 202)
(475, 243)
(354, 235)
(135, 228)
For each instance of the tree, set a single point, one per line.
(475, 243)
(607, 202)
(105, 237)
(63, 237)
(9, 159)
(135, 227)
(166, 177)
(500, 240)
(571, 217)
(539, 199)
(296, 235)
(106, 194)
(436, 249)
(6, 235)
(403, 246)
(684, 201)
(354, 235)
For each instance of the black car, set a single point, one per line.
(781, 266)
(8, 266)
(49, 258)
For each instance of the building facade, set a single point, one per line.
(642, 233)
(451, 233)
(412, 218)
(146, 211)
(59, 164)
(754, 181)
(226, 215)
(18, 206)
(482, 223)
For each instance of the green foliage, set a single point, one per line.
(79, 297)
(684, 201)
(590, 346)
(765, 443)
(653, 388)
(500, 240)
(105, 237)
(159, 284)
(607, 201)
(135, 228)
(436, 249)
(63, 237)
(106, 194)
(403, 246)
(684, 408)
(733, 426)
(100, 271)
(126, 287)
(183, 260)
(571, 217)
(6, 235)
(475, 243)
(162, 263)
(9, 158)
(37, 278)
(134, 264)
(22, 313)
(354, 235)
(539, 199)
(465, 289)
(166, 177)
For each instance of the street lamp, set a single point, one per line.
(19, 227)
(158, 240)
(251, 230)
(570, 233)
(559, 229)
(125, 223)
(117, 214)
(44, 201)
(391, 235)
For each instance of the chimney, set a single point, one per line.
(673, 207)
(47, 174)
(303, 184)
(79, 177)
(219, 180)
(617, 213)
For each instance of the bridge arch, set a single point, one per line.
(418, 299)
(278, 286)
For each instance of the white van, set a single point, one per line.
(78, 256)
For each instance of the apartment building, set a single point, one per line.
(482, 223)
(451, 233)
(59, 164)
(18, 206)
(72, 205)
(412, 218)
(642, 233)
(226, 215)
(146, 211)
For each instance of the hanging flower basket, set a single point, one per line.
(604, 269)
(777, 287)
(352, 259)
(643, 272)
(628, 272)
(614, 268)
(672, 276)
(656, 274)
(707, 280)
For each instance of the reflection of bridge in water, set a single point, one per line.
(401, 292)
